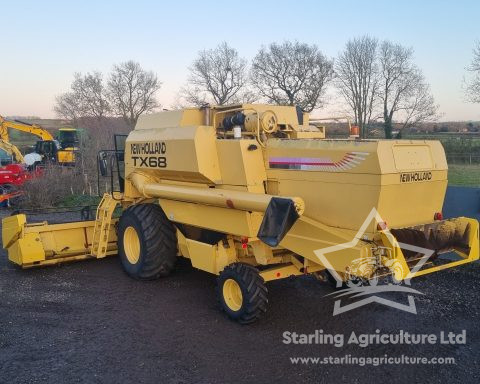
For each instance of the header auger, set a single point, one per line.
(251, 193)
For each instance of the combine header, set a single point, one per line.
(252, 193)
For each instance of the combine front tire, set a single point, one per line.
(147, 243)
(242, 293)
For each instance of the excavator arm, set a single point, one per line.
(33, 129)
(12, 150)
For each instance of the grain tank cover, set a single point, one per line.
(164, 148)
(165, 119)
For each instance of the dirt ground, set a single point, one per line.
(90, 323)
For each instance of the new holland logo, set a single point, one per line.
(349, 161)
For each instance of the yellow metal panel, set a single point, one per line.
(342, 206)
(408, 204)
(65, 240)
(165, 119)
(235, 222)
(362, 155)
(66, 157)
(280, 272)
(286, 270)
(182, 245)
(342, 196)
(240, 166)
(57, 260)
(27, 250)
(412, 157)
(320, 134)
(11, 228)
(414, 177)
(187, 154)
(206, 257)
(45, 227)
(307, 236)
(203, 256)
(206, 153)
(393, 156)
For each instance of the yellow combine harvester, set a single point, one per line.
(254, 193)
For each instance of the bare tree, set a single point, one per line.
(418, 107)
(292, 74)
(473, 84)
(403, 90)
(91, 93)
(67, 106)
(358, 78)
(131, 91)
(217, 76)
(87, 98)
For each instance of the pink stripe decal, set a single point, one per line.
(300, 163)
(348, 161)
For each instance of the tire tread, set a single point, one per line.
(160, 241)
(256, 291)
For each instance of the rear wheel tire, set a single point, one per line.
(147, 242)
(242, 293)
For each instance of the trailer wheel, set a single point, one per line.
(242, 293)
(147, 242)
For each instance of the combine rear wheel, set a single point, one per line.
(242, 293)
(147, 243)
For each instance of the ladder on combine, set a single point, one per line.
(103, 221)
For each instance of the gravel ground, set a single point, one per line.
(88, 322)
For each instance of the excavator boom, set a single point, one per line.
(21, 126)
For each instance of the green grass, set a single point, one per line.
(79, 201)
(464, 175)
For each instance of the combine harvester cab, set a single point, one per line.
(254, 193)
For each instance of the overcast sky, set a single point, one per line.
(44, 42)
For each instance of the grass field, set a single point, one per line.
(464, 175)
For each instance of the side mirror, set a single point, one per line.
(102, 163)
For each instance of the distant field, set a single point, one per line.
(464, 175)
(463, 155)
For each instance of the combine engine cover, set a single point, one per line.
(341, 181)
